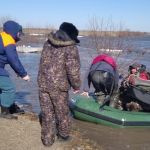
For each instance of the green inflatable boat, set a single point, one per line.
(87, 109)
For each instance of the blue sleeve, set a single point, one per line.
(13, 60)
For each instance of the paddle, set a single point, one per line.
(107, 99)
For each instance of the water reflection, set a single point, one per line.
(116, 138)
(21, 96)
(27, 92)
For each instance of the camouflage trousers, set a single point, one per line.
(55, 115)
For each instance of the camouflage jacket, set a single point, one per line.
(59, 65)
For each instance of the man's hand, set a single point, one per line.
(75, 91)
(26, 78)
(85, 94)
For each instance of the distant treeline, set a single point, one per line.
(87, 32)
(113, 33)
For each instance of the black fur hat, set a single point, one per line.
(71, 31)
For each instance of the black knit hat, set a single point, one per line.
(71, 31)
(12, 27)
(142, 68)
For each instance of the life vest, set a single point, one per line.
(7, 39)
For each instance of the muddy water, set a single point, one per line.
(116, 138)
(108, 138)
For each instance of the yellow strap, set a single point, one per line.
(7, 39)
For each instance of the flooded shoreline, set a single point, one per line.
(116, 138)
(108, 138)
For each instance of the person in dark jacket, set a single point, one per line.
(139, 70)
(58, 71)
(8, 55)
(103, 75)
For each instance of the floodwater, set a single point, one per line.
(116, 138)
(108, 138)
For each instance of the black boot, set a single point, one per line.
(5, 113)
(4, 110)
(63, 138)
(15, 109)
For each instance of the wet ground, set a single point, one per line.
(25, 134)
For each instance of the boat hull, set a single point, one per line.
(87, 109)
(136, 94)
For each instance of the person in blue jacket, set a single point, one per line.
(11, 34)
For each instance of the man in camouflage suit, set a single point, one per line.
(59, 70)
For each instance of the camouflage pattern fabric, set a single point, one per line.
(58, 71)
(55, 115)
(59, 66)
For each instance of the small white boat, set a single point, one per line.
(28, 49)
(111, 50)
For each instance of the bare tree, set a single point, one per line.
(4, 19)
(106, 37)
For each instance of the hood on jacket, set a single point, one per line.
(60, 39)
(104, 57)
(12, 28)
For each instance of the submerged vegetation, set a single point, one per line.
(107, 37)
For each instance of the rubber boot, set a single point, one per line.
(15, 109)
(100, 98)
(115, 102)
(63, 139)
(5, 113)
